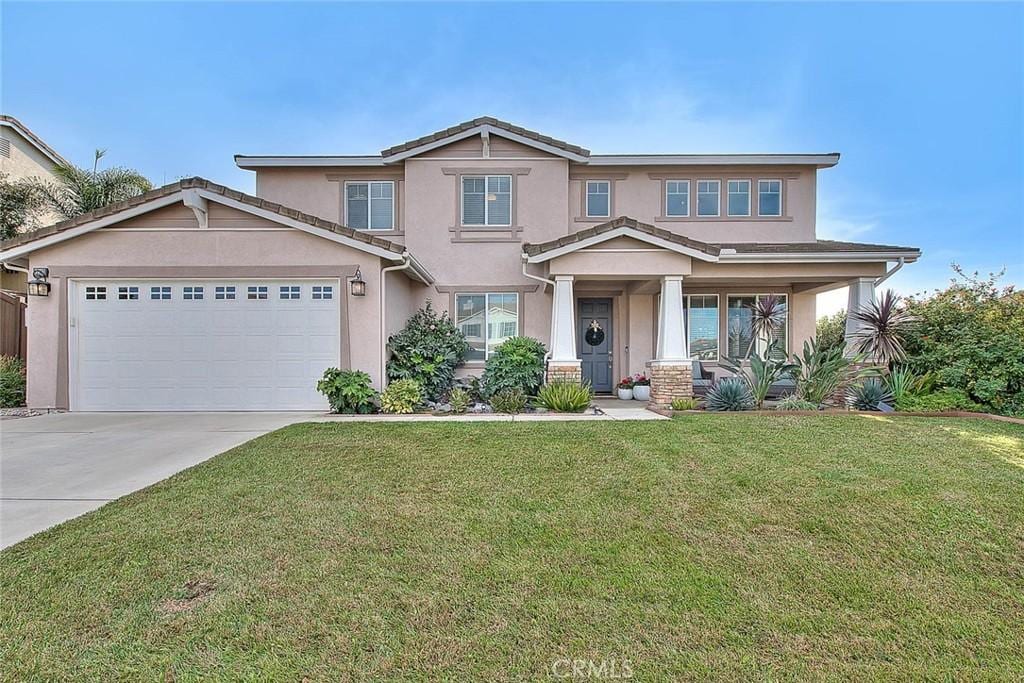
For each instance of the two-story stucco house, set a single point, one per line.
(195, 296)
(25, 156)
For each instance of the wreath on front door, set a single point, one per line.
(594, 335)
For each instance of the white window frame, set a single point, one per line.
(486, 323)
(728, 196)
(759, 343)
(322, 293)
(487, 211)
(718, 204)
(718, 326)
(689, 199)
(369, 204)
(769, 180)
(586, 199)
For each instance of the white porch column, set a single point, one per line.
(671, 371)
(563, 363)
(862, 293)
(671, 330)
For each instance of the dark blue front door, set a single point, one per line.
(594, 332)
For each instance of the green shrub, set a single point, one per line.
(868, 394)
(401, 396)
(684, 404)
(731, 393)
(822, 371)
(510, 401)
(427, 350)
(12, 382)
(794, 402)
(517, 363)
(348, 391)
(945, 400)
(565, 397)
(831, 331)
(459, 400)
(970, 337)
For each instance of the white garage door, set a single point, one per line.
(202, 344)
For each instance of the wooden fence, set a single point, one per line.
(13, 334)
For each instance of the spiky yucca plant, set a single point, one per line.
(731, 393)
(881, 325)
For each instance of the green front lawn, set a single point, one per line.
(726, 546)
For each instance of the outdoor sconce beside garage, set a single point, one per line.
(357, 284)
(38, 286)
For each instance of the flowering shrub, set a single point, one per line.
(625, 383)
(641, 380)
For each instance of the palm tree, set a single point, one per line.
(880, 328)
(80, 190)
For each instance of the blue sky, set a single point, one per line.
(925, 101)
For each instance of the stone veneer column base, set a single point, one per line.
(565, 371)
(669, 380)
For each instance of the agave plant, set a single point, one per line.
(762, 372)
(903, 382)
(880, 329)
(869, 394)
(730, 393)
(822, 372)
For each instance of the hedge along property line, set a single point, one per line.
(834, 411)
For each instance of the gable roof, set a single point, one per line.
(208, 190)
(623, 226)
(479, 125)
(50, 153)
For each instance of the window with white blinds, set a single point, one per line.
(370, 205)
(487, 200)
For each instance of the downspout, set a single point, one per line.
(546, 281)
(18, 269)
(889, 274)
(404, 265)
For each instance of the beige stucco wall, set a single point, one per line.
(638, 192)
(24, 162)
(235, 245)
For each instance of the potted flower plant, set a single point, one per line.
(625, 388)
(641, 387)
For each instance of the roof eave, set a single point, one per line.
(821, 257)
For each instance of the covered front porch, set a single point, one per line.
(630, 298)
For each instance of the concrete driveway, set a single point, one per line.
(55, 467)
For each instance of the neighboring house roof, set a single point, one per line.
(574, 153)
(818, 250)
(36, 141)
(619, 227)
(206, 190)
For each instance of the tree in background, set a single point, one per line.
(78, 190)
(831, 331)
(21, 205)
(970, 337)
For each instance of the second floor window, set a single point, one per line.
(707, 197)
(370, 205)
(769, 197)
(598, 198)
(739, 197)
(487, 200)
(677, 197)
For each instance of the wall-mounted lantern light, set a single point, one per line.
(357, 284)
(38, 286)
